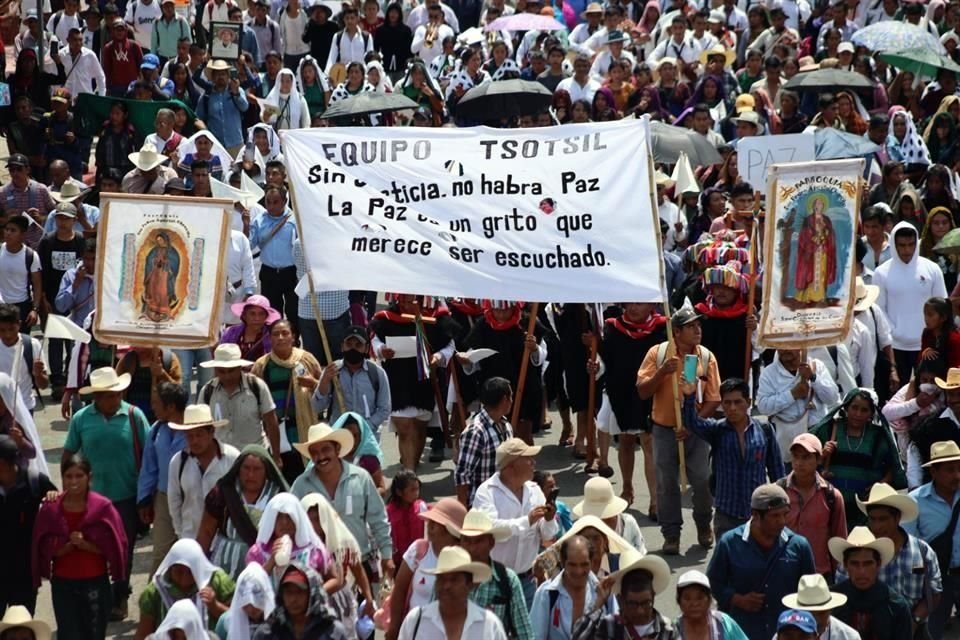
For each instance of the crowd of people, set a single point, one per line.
(255, 465)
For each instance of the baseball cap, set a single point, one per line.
(845, 47)
(802, 620)
(513, 448)
(150, 61)
(18, 160)
(358, 332)
(684, 316)
(693, 577)
(808, 442)
(769, 496)
(745, 101)
(297, 577)
(31, 15)
(66, 209)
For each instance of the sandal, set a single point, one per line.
(591, 469)
(605, 471)
(566, 442)
(579, 455)
(628, 496)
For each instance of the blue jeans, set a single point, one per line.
(336, 330)
(190, 357)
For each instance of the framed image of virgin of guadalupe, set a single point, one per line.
(161, 270)
(809, 253)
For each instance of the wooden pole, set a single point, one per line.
(524, 363)
(675, 382)
(337, 389)
(751, 300)
(458, 404)
(592, 392)
(435, 381)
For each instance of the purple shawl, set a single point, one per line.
(101, 525)
(234, 334)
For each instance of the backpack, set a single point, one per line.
(828, 495)
(28, 357)
(28, 259)
(704, 355)
(208, 391)
(503, 584)
(339, 36)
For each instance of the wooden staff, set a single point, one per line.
(434, 376)
(751, 299)
(592, 390)
(675, 382)
(337, 388)
(524, 363)
(458, 403)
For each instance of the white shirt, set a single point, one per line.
(21, 374)
(291, 32)
(863, 351)
(64, 24)
(142, 16)
(421, 585)
(187, 491)
(419, 45)
(578, 92)
(214, 12)
(239, 269)
(670, 213)
(521, 549)
(14, 276)
(480, 623)
(601, 64)
(351, 49)
(579, 36)
(420, 16)
(159, 143)
(687, 50)
(83, 73)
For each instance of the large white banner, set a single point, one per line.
(563, 214)
(161, 270)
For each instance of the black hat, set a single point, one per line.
(355, 331)
(685, 316)
(18, 160)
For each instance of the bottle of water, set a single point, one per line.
(282, 558)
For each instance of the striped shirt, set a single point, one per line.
(910, 572)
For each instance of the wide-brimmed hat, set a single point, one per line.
(952, 382)
(866, 295)
(147, 158)
(256, 300)
(661, 179)
(615, 36)
(599, 500)
(196, 416)
(457, 560)
(217, 65)
(448, 512)
(19, 616)
(478, 523)
(862, 538)
(946, 451)
(69, 191)
(813, 594)
(632, 560)
(322, 432)
(513, 448)
(882, 494)
(226, 356)
(717, 16)
(593, 7)
(718, 50)
(749, 117)
(105, 379)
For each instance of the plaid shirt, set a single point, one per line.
(488, 596)
(331, 304)
(478, 450)
(908, 572)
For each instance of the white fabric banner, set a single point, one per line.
(564, 214)
(161, 270)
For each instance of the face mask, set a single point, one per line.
(352, 357)
(932, 389)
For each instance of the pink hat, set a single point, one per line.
(808, 442)
(256, 300)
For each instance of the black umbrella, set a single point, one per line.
(668, 142)
(503, 98)
(368, 103)
(824, 80)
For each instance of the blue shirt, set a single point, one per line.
(75, 304)
(93, 217)
(275, 251)
(223, 114)
(740, 566)
(556, 623)
(162, 444)
(933, 520)
(738, 472)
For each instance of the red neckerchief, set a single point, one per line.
(509, 323)
(711, 310)
(470, 309)
(393, 315)
(635, 330)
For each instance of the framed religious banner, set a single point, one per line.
(161, 270)
(225, 40)
(809, 253)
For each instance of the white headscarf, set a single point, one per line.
(185, 617)
(339, 541)
(287, 105)
(189, 146)
(16, 407)
(185, 552)
(912, 148)
(384, 86)
(253, 587)
(288, 504)
(272, 138)
(322, 79)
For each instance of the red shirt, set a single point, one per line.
(405, 527)
(78, 564)
(121, 62)
(953, 346)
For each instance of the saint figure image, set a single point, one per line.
(816, 253)
(159, 280)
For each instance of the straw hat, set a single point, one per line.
(593, 7)
(457, 560)
(862, 538)
(662, 179)
(813, 594)
(322, 432)
(147, 158)
(718, 50)
(882, 494)
(599, 500)
(952, 382)
(226, 356)
(947, 451)
(70, 191)
(448, 512)
(106, 379)
(18, 616)
(866, 295)
(478, 523)
(631, 560)
(513, 448)
(217, 65)
(195, 416)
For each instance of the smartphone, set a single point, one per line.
(690, 367)
(248, 153)
(233, 73)
(554, 494)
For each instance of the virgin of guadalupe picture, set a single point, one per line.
(159, 299)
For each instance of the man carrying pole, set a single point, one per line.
(657, 379)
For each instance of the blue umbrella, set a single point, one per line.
(894, 36)
(830, 144)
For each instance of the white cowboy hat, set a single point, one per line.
(105, 379)
(947, 451)
(70, 191)
(862, 538)
(226, 356)
(662, 179)
(18, 616)
(882, 494)
(218, 65)
(952, 382)
(866, 295)
(478, 523)
(456, 560)
(631, 560)
(598, 500)
(197, 415)
(321, 432)
(813, 594)
(147, 158)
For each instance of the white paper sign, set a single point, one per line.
(756, 154)
(559, 213)
(403, 346)
(476, 355)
